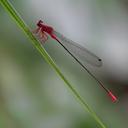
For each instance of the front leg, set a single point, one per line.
(43, 37)
(36, 31)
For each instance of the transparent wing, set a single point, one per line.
(81, 53)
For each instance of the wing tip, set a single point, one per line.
(100, 63)
(99, 59)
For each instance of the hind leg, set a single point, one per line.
(43, 37)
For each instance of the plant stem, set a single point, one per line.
(10, 9)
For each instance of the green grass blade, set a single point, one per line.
(10, 9)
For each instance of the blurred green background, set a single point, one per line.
(32, 95)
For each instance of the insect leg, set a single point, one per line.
(43, 37)
(36, 31)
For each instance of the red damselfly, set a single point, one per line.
(79, 53)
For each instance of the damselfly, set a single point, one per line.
(79, 53)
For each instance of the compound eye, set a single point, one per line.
(40, 21)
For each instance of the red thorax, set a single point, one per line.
(45, 28)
